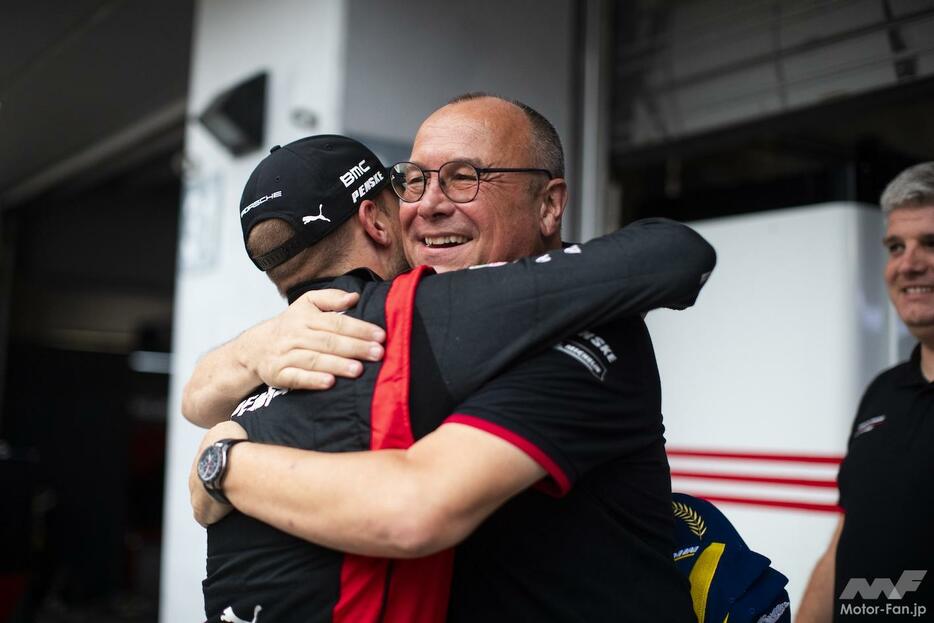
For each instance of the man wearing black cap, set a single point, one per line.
(354, 183)
(252, 567)
(459, 346)
(560, 448)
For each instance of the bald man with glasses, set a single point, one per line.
(604, 549)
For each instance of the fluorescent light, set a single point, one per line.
(147, 361)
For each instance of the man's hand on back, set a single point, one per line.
(310, 343)
(304, 347)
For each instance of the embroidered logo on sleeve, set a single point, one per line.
(490, 265)
(868, 425)
(591, 350)
(258, 401)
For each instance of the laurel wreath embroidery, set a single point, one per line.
(690, 516)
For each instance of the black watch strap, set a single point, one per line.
(212, 467)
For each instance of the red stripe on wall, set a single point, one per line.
(771, 503)
(771, 480)
(756, 456)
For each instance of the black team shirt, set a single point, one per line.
(603, 551)
(486, 351)
(887, 493)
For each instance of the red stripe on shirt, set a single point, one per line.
(390, 424)
(558, 484)
(363, 582)
(419, 588)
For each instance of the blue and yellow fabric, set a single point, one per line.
(730, 583)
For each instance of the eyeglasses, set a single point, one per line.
(460, 181)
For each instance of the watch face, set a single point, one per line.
(209, 464)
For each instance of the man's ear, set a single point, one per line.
(554, 199)
(375, 223)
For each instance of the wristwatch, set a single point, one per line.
(212, 466)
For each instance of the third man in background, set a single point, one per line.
(878, 560)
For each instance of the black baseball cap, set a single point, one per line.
(315, 184)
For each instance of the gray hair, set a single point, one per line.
(912, 188)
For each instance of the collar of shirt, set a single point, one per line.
(296, 291)
(910, 375)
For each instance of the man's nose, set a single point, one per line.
(913, 260)
(434, 203)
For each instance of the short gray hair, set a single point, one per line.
(912, 188)
(545, 142)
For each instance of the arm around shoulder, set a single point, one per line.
(219, 381)
(304, 347)
(676, 251)
(396, 503)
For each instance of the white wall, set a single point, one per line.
(406, 58)
(218, 291)
(774, 358)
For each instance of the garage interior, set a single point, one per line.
(716, 108)
(91, 124)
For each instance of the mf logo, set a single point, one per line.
(910, 581)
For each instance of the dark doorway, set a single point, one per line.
(85, 393)
(840, 151)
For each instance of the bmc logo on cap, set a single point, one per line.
(356, 172)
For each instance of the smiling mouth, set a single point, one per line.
(918, 290)
(444, 242)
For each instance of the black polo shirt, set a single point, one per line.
(887, 492)
(603, 552)
(465, 328)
